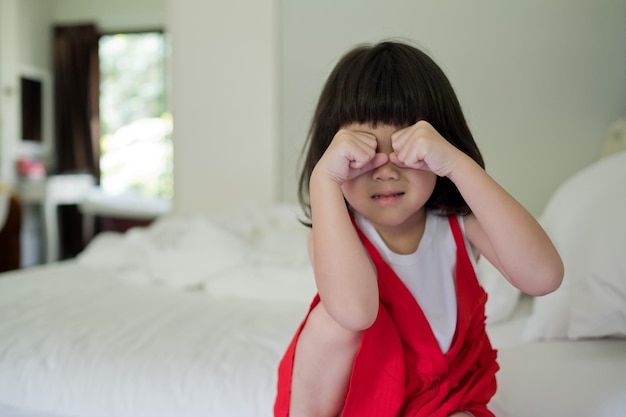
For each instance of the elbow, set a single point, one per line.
(358, 322)
(550, 280)
(355, 318)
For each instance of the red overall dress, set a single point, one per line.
(399, 369)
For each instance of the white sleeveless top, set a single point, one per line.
(428, 273)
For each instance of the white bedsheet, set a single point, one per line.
(84, 344)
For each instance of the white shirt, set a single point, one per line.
(428, 272)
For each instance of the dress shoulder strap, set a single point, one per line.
(459, 239)
(456, 231)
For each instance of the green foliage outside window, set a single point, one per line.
(136, 142)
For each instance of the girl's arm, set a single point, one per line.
(345, 277)
(506, 233)
(499, 226)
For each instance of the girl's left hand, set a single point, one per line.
(420, 146)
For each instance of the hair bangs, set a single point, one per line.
(376, 91)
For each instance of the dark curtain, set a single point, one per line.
(77, 86)
(77, 119)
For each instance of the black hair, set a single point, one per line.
(390, 83)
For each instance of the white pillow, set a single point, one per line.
(174, 251)
(598, 305)
(275, 234)
(586, 219)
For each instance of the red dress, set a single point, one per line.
(399, 369)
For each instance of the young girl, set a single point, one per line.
(401, 207)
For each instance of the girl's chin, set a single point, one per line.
(394, 220)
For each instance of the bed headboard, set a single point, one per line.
(616, 140)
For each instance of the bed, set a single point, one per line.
(190, 316)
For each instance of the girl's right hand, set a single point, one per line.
(349, 155)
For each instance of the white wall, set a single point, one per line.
(225, 103)
(112, 15)
(35, 37)
(24, 50)
(9, 65)
(539, 81)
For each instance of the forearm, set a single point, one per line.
(517, 244)
(345, 277)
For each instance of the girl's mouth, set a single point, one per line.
(388, 196)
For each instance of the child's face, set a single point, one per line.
(389, 196)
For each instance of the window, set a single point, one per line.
(136, 143)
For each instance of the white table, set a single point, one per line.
(50, 193)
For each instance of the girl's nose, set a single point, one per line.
(387, 172)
